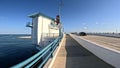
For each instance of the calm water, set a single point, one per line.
(14, 50)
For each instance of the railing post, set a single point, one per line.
(51, 50)
(58, 41)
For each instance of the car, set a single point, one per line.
(82, 34)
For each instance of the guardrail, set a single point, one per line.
(39, 59)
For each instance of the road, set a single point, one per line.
(110, 42)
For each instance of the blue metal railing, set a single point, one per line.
(39, 59)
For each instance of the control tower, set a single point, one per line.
(44, 29)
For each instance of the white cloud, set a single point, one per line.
(85, 27)
(96, 23)
(83, 23)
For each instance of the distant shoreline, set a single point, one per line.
(24, 37)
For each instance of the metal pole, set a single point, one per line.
(60, 4)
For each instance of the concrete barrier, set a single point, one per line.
(108, 55)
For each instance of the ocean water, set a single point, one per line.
(13, 49)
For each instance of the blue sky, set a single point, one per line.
(77, 15)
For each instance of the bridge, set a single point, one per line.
(72, 51)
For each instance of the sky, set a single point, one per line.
(76, 15)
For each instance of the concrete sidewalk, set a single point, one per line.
(73, 55)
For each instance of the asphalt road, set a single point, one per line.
(110, 42)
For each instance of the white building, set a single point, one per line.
(44, 29)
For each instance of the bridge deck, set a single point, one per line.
(73, 55)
